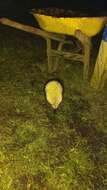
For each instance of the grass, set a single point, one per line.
(40, 150)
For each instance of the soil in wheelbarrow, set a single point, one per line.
(40, 150)
(56, 12)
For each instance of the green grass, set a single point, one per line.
(40, 150)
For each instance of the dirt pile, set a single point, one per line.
(56, 12)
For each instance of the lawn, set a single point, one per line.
(40, 149)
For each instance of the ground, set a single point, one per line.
(40, 149)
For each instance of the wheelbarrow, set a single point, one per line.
(53, 28)
(82, 28)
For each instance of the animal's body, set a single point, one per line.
(54, 93)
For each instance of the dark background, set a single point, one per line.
(20, 8)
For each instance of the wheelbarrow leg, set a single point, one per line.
(86, 57)
(57, 59)
(86, 42)
(53, 64)
(49, 55)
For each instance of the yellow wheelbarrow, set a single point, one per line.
(53, 28)
(83, 28)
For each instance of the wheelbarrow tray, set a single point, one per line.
(90, 26)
